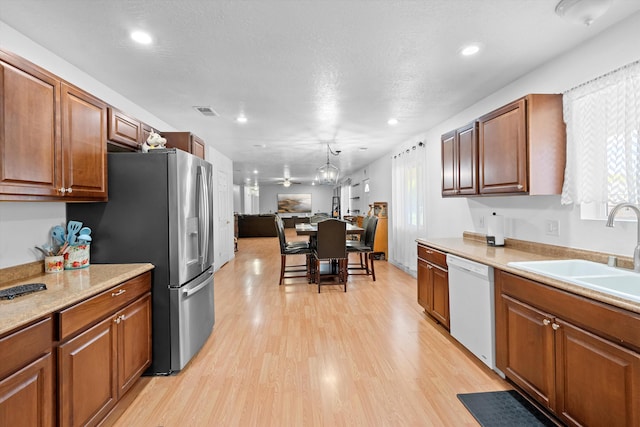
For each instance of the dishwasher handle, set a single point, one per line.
(472, 267)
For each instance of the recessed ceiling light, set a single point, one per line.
(392, 121)
(470, 49)
(141, 37)
(255, 171)
(241, 119)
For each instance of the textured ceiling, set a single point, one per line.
(304, 72)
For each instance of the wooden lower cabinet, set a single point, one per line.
(26, 397)
(98, 364)
(529, 359)
(87, 375)
(433, 284)
(27, 376)
(579, 372)
(598, 382)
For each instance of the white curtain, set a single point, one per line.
(603, 119)
(408, 204)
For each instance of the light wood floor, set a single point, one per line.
(288, 356)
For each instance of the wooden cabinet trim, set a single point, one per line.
(80, 316)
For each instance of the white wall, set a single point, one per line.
(320, 197)
(25, 225)
(525, 216)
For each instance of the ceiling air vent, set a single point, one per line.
(207, 111)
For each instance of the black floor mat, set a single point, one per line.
(503, 408)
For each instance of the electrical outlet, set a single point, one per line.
(481, 222)
(552, 227)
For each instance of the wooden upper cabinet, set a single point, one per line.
(460, 161)
(29, 132)
(521, 147)
(449, 164)
(84, 142)
(125, 130)
(185, 141)
(52, 136)
(197, 147)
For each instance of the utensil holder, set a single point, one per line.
(77, 256)
(53, 264)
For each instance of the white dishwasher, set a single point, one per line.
(471, 307)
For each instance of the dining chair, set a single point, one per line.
(331, 248)
(364, 248)
(292, 248)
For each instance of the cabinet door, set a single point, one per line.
(29, 133)
(87, 375)
(84, 142)
(503, 150)
(424, 288)
(598, 382)
(467, 156)
(197, 146)
(26, 397)
(440, 298)
(124, 130)
(529, 347)
(449, 164)
(134, 342)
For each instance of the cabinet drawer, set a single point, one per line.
(89, 311)
(433, 256)
(21, 347)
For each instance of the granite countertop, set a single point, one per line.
(63, 289)
(499, 257)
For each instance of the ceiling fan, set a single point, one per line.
(287, 182)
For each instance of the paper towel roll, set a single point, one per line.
(495, 230)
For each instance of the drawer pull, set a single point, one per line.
(555, 326)
(546, 322)
(119, 319)
(120, 292)
(429, 252)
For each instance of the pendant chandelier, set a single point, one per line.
(327, 174)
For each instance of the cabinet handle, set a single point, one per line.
(555, 326)
(62, 190)
(120, 292)
(429, 252)
(117, 320)
(69, 190)
(430, 267)
(546, 322)
(121, 317)
(520, 187)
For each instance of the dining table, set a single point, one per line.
(308, 229)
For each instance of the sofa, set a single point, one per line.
(262, 225)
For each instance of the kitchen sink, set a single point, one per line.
(588, 274)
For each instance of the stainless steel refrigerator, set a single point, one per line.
(160, 211)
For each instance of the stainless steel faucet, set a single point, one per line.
(612, 214)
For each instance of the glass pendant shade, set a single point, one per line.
(328, 173)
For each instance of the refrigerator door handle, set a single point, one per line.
(203, 215)
(189, 292)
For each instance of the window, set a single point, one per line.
(603, 148)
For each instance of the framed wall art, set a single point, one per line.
(294, 203)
